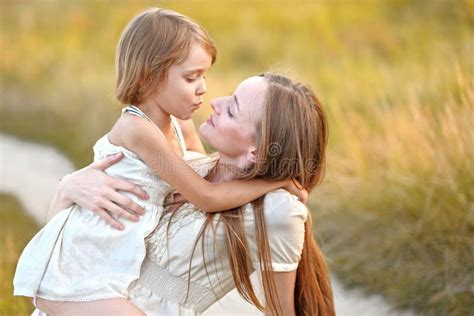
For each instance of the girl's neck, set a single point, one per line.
(157, 116)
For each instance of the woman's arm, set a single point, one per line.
(154, 149)
(93, 189)
(285, 286)
(191, 137)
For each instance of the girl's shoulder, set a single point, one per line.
(119, 137)
(127, 128)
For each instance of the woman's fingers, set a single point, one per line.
(109, 219)
(92, 188)
(124, 202)
(126, 186)
(107, 161)
(114, 208)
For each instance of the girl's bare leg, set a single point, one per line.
(113, 306)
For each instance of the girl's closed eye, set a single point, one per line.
(190, 79)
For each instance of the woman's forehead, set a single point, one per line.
(251, 92)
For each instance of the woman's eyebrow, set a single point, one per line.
(236, 102)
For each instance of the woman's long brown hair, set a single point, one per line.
(291, 140)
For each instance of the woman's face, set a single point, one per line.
(231, 128)
(180, 94)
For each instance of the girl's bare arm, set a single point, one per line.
(152, 147)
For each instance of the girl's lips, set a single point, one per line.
(196, 106)
(210, 122)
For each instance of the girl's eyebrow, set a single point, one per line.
(193, 71)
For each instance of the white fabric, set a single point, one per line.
(77, 256)
(163, 283)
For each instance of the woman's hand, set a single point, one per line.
(93, 189)
(294, 187)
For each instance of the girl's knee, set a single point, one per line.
(114, 306)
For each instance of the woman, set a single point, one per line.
(270, 128)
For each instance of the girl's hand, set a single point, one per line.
(178, 201)
(93, 189)
(294, 187)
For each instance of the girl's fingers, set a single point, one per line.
(109, 219)
(114, 208)
(297, 189)
(304, 196)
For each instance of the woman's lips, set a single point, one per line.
(210, 122)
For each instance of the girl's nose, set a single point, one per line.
(202, 89)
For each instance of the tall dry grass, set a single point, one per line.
(398, 205)
(396, 77)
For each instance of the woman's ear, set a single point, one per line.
(252, 155)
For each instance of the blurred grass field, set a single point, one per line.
(396, 212)
(17, 229)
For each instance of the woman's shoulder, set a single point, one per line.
(282, 208)
(285, 218)
(279, 202)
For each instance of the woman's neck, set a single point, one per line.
(225, 170)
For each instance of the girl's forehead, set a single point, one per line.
(198, 59)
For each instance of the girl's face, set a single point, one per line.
(231, 128)
(180, 94)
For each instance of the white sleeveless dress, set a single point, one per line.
(77, 256)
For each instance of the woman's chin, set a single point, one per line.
(204, 132)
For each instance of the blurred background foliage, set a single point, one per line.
(396, 212)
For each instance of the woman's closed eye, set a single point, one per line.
(229, 112)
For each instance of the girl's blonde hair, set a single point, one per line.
(151, 43)
(291, 141)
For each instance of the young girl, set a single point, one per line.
(161, 61)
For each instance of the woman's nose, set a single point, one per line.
(215, 105)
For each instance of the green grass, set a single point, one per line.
(17, 229)
(396, 77)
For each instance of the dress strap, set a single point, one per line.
(132, 109)
(179, 134)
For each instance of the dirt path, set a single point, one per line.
(31, 172)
